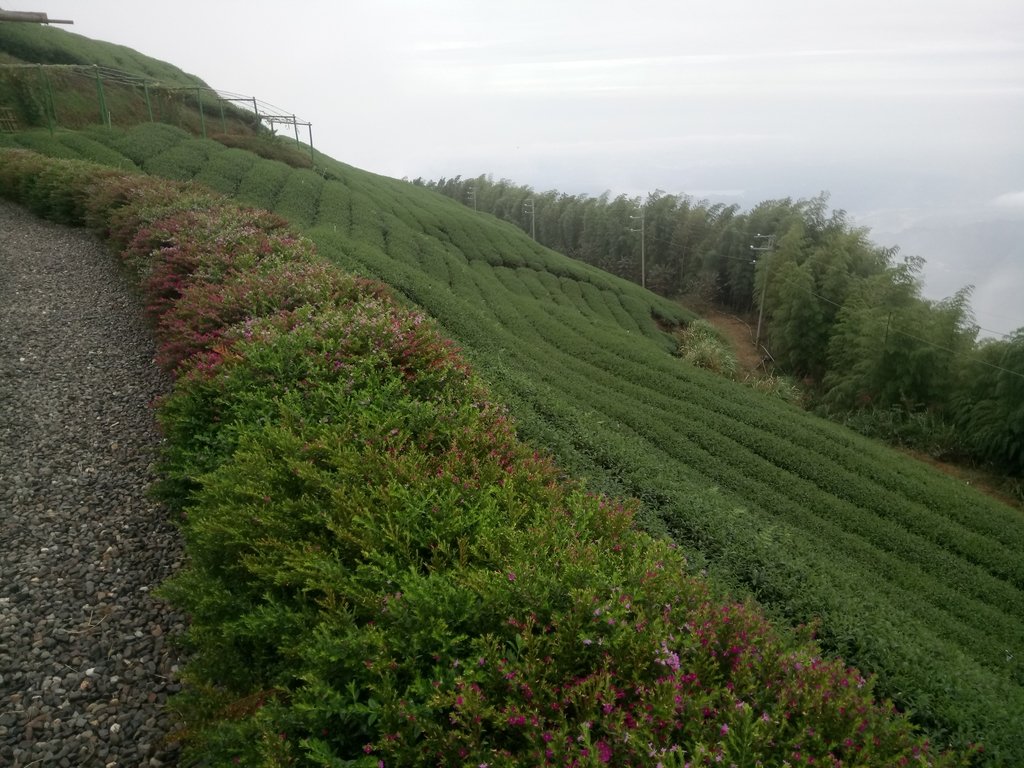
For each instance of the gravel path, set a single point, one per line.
(85, 662)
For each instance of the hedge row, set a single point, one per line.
(381, 574)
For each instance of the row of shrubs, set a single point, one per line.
(381, 574)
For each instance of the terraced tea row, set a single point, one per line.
(913, 575)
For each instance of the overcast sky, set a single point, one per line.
(909, 112)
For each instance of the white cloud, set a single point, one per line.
(1009, 200)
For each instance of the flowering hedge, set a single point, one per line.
(381, 574)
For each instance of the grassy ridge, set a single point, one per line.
(40, 44)
(911, 574)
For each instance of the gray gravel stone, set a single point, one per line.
(81, 545)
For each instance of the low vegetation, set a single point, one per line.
(910, 575)
(381, 574)
(702, 346)
(843, 315)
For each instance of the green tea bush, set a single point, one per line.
(262, 184)
(143, 142)
(381, 574)
(299, 200)
(94, 151)
(183, 161)
(41, 141)
(225, 171)
(269, 148)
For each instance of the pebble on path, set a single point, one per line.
(86, 654)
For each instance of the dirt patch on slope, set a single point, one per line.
(740, 337)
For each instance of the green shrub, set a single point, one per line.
(182, 161)
(269, 148)
(143, 142)
(782, 387)
(921, 430)
(700, 345)
(262, 185)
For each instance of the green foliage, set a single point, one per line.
(380, 571)
(299, 199)
(990, 408)
(225, 171)
(143, 143)
(701, 345)
(94, 151)
(781, 387)
(268, 147)
(38, 44)
(262, 185)
(912, 575)
(921, 430)
(183, 161)
(19, 90)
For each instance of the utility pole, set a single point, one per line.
(768, 248)
(528, 207)
(643, 237)
(471, 192)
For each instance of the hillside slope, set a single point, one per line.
(38, 44)
(911, 574)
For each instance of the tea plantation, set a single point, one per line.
(906, 573)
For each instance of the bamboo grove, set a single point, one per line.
(841, 313)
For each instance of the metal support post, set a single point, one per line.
(642, 218)
(531, 209)
(764, 284)
(104, 114)
(202, 117)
